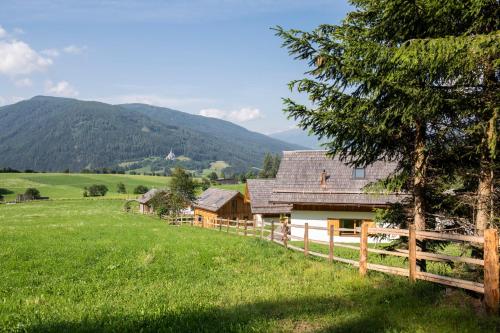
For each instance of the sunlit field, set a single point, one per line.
(86, 265)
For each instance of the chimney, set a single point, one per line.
(323, 179)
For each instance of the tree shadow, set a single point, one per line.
(367, 309)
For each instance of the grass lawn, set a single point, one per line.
(70, 186)
(85, 265)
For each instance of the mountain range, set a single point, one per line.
(54, 134)
(299, 137)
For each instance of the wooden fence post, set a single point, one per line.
(412, 253)
(220, 224)
(363, 249)
(246, 226)
(272, 230)
(491, 271)
(285, 233)
(330, 250)
(227, 228)
(262, 229)
(238, 227)
(306, 239)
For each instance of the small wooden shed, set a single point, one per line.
(218, 203)
(144, 205)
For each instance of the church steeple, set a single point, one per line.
(170, 156)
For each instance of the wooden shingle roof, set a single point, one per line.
(259, 192)
(146, 197)
(214, 198)
(299, 181)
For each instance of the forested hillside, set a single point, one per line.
(49, 133)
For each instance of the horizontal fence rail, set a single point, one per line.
(279, 233)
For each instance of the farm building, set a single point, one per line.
(144, 206)
(258, 193)
(226, 181)
(218, 203)
(325, 191)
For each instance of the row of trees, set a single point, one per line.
(417, 82)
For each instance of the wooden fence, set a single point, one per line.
(279, 233)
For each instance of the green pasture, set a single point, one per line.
(70, 186)
(88, 266)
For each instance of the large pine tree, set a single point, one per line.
(395, 80)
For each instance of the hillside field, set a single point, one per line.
(70, 186)
(86, 265)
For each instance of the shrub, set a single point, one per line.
(32, 193)
(120, 188)
(140, 189)
(95, 191)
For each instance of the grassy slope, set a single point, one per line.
(84, 265)
(64, 186)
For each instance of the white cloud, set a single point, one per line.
(61, 88)
(213, 113)
(74, 49)
(3, 33)
(53, 53)
(239, 116)
(26, 82)
(244, 114)
(18, 58)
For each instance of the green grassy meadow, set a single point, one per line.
(86, 265)
(70, 186)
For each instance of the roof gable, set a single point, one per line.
(301, 179)
(214, 199)
(259, 192)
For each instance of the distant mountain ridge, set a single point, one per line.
(52, 133)
(299, 137)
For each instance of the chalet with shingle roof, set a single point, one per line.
(218, 203)
(258, 193)
(324, 191)
(144, 206)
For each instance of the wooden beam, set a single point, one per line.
(363, 249)
(491, 271)
(306, 239)
(330, 243)
(412, 252)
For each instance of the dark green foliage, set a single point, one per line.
(182, 184)
(48, 133)
(32, 193)
(169, 203)
(95, 190)
(270, 166)
(213, 176)
(205, 184)
(395, 74)
(9, 170)
(140, 189)
(120, 188)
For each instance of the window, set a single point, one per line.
(359, 173)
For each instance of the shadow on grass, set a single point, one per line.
(368, 309)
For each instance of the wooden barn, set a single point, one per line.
(258, 193)
(218, 203)
(144, 206)
(325, 191)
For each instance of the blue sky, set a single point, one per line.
(212, 57)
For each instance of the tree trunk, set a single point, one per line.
(419, 183)
(484, 211)
(419, 177)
